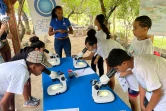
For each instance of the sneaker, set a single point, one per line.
(34, 99)
(31, 103)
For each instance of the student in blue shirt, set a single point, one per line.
(60, 27)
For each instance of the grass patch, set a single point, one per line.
(160, 42)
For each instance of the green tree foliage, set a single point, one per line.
(125, 10)
(109, 6)
(25, 13)
(81, 10)
(126, 13)
(128, 9)
(25, 8)
(73, 7)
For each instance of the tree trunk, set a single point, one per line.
(102, 7)
(91, 20)
(114, 17)
(75, 12)
(21, 26)
(72, 12)
(26, 21)
(112, 9)
(33, 31)
(21, 31)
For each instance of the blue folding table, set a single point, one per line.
(78, 94)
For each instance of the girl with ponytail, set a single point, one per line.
(103, 32)
(101, 35)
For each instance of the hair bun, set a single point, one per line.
(91, 33)
(34, 39)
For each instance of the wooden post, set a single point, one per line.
(13, 25)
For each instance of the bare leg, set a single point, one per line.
(12, 105)
(30, 87)
(134, 103)
(26, 92)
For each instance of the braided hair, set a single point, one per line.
(144, 21)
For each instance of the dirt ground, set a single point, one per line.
(77, 46)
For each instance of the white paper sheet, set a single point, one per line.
(71, 109)
(83, 72)
(123, 82)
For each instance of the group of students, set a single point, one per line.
(101, 46)
(15, 75)
(142, 70)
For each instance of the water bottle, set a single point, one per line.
(1, 59)
(70, 74)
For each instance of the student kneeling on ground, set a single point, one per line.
(13, 76)
(149, 71)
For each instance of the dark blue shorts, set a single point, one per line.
(133, 93)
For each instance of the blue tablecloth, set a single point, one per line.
(78, 94)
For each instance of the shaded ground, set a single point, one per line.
(77, 46)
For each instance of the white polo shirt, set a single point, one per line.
(13, 76)
(150, 71)
(138, 47)
(105, 46)
(100, 35)
(141, 47)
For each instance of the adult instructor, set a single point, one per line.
(60, 27)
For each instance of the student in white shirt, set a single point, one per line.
(13, 76)
(103, 48)
(150, 72)
(92, 56)
(102, 33)
(36, 44)
(141, 44)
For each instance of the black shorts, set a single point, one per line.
(133, 93)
